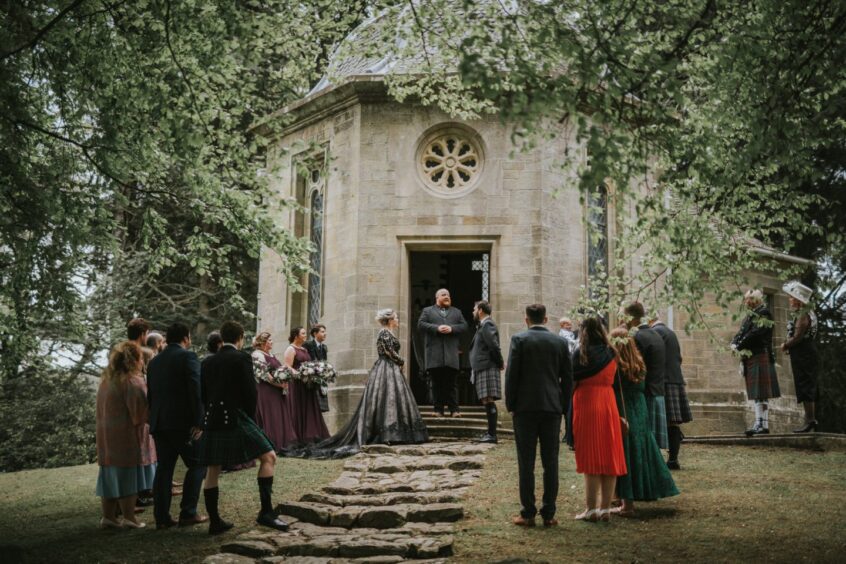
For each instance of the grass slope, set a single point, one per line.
(737, 504)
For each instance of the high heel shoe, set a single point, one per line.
(605, 515)
(109, 524)
(808, 427)
(589, 515)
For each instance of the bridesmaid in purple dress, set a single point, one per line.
(305, 403)
(273, 408)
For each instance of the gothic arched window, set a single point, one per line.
(597, 232)
(315, 286)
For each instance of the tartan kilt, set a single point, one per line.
(231, 447)
(678, 408)
(488, 384)
(658, 420)
(760, 375)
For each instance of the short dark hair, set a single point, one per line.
(294, 333)
(176, 333)
(536, 313)
(635, 310)
(315, 329)
(231, 331)
(214, 341)
(484, 306)
(137, 327)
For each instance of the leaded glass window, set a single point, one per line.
(315, 286)
(597, 249)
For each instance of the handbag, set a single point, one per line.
(624, 422)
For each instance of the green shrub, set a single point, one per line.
(46, 420)
(831, 408)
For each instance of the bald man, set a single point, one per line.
(441, 324)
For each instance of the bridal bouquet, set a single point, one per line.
(316, 373)
(279, 376)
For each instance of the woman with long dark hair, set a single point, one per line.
(596, 422)
(307, 418)
(648, 477)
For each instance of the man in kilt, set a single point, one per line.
(486, 362)
(651, 347)
(675, 394)
(231, 435)
(754, 342)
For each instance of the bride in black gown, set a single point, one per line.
(387, 412)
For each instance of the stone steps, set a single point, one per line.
(471, 425)
(810, 441)
(390, 504)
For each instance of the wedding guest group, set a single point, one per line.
(441, 325)
(537, 386)
(754, 342)
(486, 363)
(800, 346)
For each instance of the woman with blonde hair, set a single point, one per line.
(125, 452)
(648, 477)
(597, 435)
(273, 407)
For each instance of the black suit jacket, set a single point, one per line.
(228, 385)
(672, 369)
(174, 391)
(441, 349)
(539, 375)
(485, 351)
(318, 351)
(651, 347)
(754, 336)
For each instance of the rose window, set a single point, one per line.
(450, 162)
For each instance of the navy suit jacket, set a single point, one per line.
(540, 374)
(173, 390)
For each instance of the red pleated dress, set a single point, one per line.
(596, 425)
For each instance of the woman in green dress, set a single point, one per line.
(648, 477)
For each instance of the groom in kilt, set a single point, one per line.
(486, 362)
(231, 435)
(754, 342)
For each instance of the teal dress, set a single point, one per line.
(648, 478)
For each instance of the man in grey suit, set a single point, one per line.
(537, 389)
(486, 362)
(441, 324)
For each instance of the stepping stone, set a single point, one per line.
(253, 549)
(228, 559)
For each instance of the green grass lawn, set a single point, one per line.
(737, 504)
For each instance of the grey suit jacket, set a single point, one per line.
(441, 350)
(485, 351)
(673, 370)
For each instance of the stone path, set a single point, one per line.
(390, 504)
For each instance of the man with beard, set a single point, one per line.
(441, 325)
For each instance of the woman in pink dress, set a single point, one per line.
(305, 403)
(273, 408)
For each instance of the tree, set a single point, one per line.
(131, 182)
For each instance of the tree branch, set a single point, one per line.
(43, 31)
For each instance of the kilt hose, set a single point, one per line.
(488, 383)
(231, 447)
(759, 372)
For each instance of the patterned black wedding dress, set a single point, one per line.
(386, 414)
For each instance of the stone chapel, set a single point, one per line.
(401, 199)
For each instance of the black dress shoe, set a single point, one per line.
(673, 465)
(487, 438)
(215, 528)
(757, 431)
(809, 427)
(270, 520)
(166, 525)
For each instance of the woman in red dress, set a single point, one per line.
(305, 403)
(597, 436)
